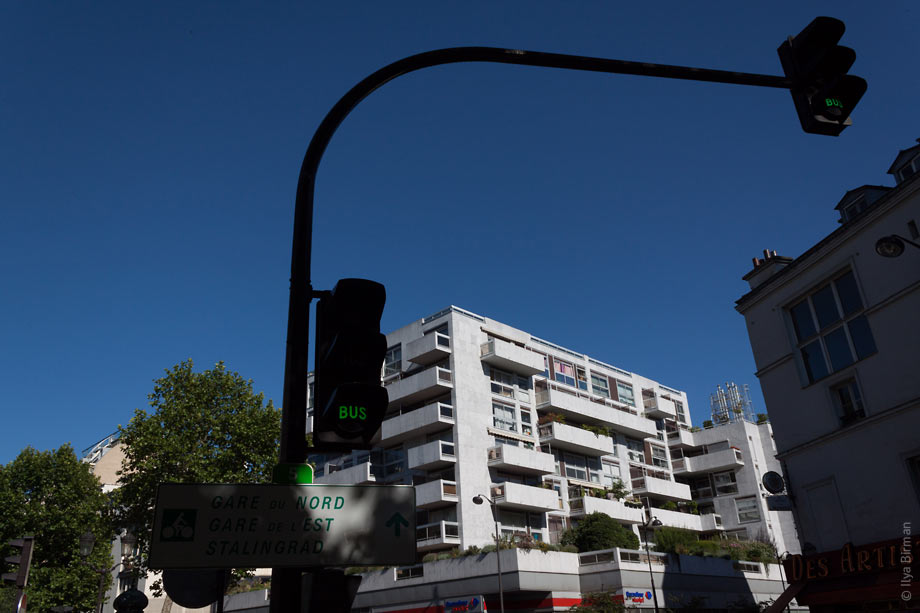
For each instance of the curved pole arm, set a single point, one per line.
(293, 418)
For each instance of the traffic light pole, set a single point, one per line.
(286, 583)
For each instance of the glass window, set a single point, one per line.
(502, 383)
(681, 416)
(849, 294)
(725, 483)
(563, 372)
(802, 321)
(863, 342)
(813, 358)
(659, 456)
(503, 416)
(841, 345)
(392, 363)
(825, 307)
(848, 401)
(581, 378)
(838, 349)
(625, 393)
(747, 509)
(575, 467)
(600, 386)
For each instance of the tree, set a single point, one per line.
(599, 531)
(204, 427)
(55, 497)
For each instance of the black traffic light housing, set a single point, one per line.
(23, 560)
(349, 400)
(823, 93)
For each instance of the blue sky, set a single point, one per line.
(150, 154)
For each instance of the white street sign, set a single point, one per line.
(244, 526)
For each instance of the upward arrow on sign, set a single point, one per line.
(396, 520)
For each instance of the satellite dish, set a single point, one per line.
(197, 588)
(774, 482)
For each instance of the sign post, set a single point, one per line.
(295, 526)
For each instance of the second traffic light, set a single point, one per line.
(823, 93)
(349, 400)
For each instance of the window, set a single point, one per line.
(747, 509)
(526, 427)
(659, 456)
(625, 394)
(635, 450)
(563, 372)
(611, 473)
(725, 483)
(580, 467)
(847, 401)
(503, 416)
(681, 416)
(523, 391)
(830, 329)
(600, 386)
(502, 383)
(581, 377)
(392, 362)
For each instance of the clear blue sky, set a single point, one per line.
(149, 154)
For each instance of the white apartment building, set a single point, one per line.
(478, 407)
(836, 341)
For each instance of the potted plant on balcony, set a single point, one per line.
(550, 417)
(707, 423)
(633, 503)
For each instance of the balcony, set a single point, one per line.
(358, 474)
(711, 522)
(436, 454)
(509, 356)
(429, 349)
(430, 418)
(434, 494)
(582, 408)
(577, 440)
(658, 407)
(663, 488)
(681, 439)
(521, 460)
(708, 462)
(439, 535)
(520, 497)
(420, 386)
(676, 519)
(614, 508)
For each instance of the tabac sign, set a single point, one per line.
(241, 526)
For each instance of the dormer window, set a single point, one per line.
(854, 208)
(909, 169)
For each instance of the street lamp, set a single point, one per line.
(653, 522)
(498, 551)
(87, 541)
(780, 559)
(892, 246)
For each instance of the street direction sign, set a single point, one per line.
(779, 503)
(245, 526)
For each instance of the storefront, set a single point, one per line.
(873, 577)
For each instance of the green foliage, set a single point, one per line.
(430, 557)
(596, 430)
(599, 531)
(618, 489)
(598, 602)
(695, 428)
(550, 417)
(55, 497)
(206, 427)
(674, 540)
(568, 548)
(751, 551)
(762, 418)
(670, 505)
(707, 423)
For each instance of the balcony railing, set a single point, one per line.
(437, 531)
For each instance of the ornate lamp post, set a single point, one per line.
(87, 541)
(498, 552)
